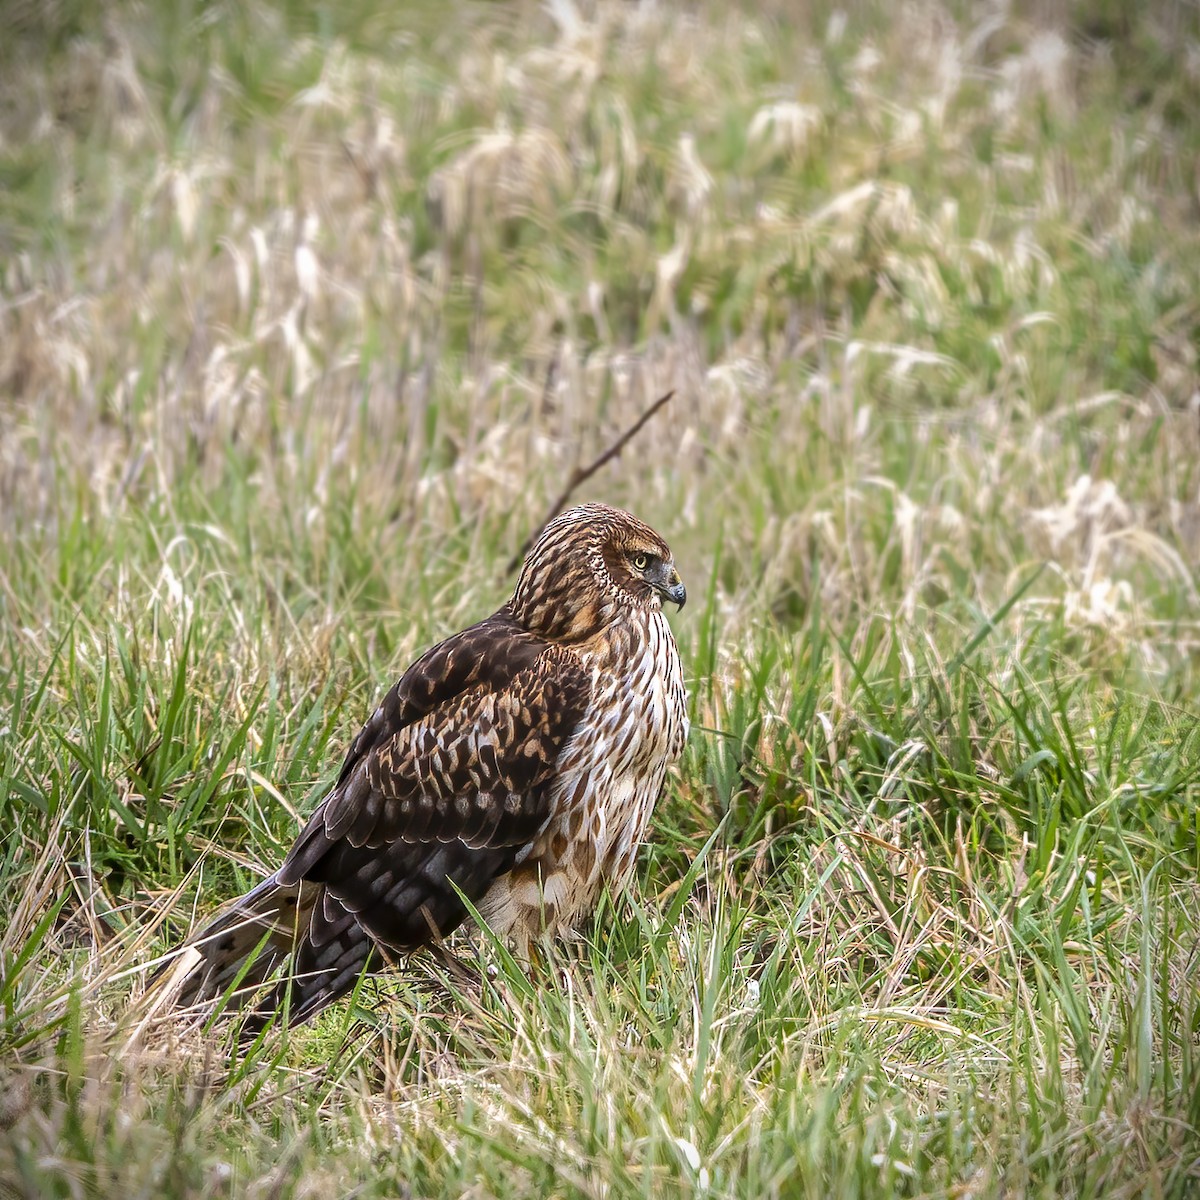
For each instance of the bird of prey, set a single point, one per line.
(516, 764)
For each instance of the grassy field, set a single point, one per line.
(306, 315)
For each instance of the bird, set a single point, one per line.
(514, 765)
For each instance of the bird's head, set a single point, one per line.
(591, 565)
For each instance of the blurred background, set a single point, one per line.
(359, 284)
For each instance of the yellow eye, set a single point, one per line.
(640, 562)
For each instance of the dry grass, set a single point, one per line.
(305, 316)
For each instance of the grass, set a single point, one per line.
(305, 315)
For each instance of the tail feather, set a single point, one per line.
(251, 940)
(320, 976)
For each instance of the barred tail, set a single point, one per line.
(244, 946)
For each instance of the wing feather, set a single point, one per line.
(488, 654)
(445, 801)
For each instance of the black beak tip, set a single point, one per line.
(678, 595)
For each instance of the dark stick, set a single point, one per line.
(582, 474)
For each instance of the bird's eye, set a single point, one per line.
(640, 562)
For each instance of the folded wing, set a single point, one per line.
(442, 791)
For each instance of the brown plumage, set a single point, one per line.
(516, 762)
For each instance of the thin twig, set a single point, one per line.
(582, 474)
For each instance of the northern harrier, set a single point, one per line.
(516, 763)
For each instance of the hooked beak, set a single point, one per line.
(670, 587)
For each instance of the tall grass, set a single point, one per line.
(306, 314)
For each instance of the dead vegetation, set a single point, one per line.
(306, 317)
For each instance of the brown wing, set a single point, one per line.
(439, 792)
(488, 654)
(433, 751)
(442, 789)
